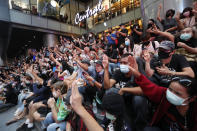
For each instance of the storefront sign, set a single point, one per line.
(89, 12)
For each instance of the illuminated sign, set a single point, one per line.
(89, 12)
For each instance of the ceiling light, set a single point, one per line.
(53, 3)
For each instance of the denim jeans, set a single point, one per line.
(51, 125)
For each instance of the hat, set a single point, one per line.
(85, 61)
(113, 103)
(167, 45)
(99, 62)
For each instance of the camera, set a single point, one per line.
(158, 63)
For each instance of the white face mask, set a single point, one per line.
(174, 99)
(55, 94)
(110, 116)
(75, 68)
(70, 57)
(27, 82)
(124, 69)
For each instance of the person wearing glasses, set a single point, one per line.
(176, 105)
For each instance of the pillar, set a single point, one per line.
(50, 40)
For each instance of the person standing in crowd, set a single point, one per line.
(169, 23)
(122, 35)
(136, 33)
(111, 38)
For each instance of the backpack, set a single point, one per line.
(77, 123)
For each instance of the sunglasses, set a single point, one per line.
(183, 81)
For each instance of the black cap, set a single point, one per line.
(113, 103)
(85, 61)
(99, 62)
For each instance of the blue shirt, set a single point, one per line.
(110, 41)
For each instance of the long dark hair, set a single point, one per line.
(185, 10)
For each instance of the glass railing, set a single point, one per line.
(43, 8)
(116, 9)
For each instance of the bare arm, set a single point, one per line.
(82, 65)
(138, 32)
(171, 29)
(133, 90)
(40, 80)
(187, 48)
(108, 83)
(158, 13)
(76, 103)
(186, 72)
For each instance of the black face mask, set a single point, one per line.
(149, 26)
(163, 55)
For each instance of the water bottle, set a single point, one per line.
(94, 106)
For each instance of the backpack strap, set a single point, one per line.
(153, 44)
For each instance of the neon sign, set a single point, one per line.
(89, 12)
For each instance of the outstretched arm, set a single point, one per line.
(76, 103)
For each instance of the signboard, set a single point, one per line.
(89, 12)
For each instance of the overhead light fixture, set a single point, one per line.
(53, 3)
(105, 24)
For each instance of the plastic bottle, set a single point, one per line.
(94, 106)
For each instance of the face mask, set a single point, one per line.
(187, 13)
(90, 35)
(186, 36)
(163, 55)
(127, 43)
(75, 68)
(55, 94)
(70, 57)
(27, 82)
(82, 56)
(124, 69)
(174, 99)
(44, 72)
(110, 117)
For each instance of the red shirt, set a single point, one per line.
(157, 94)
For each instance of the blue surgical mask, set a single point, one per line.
(75, 68)
(124, 69)
(174, 99)
(127, 43)
(186, 36)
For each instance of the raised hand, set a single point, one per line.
(76, 99)
(105, 61)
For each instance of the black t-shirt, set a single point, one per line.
(136, 37)
(192, 42)
(121, 38)
(120, 78)
(177, 63)
(169, 23)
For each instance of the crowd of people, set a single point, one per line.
(137, 81)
